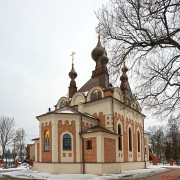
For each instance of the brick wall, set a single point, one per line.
(133, 124)
(69, 127)
(101, 117)
(108, 93)
(46, 155)
(90, 155)
(86, 126)
(109, 150)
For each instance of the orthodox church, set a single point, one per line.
(97, 129)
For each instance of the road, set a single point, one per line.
(173, 174)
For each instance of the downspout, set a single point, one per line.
(112, 108)
(144, 146)
(82, 144)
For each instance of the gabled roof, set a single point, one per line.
(97, 129)
(70, 111)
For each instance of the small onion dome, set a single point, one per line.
(98, 51)
(124, 76)
(72, 73)
(104, 59)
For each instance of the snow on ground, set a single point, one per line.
(133, 174)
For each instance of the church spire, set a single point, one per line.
(125, 87)
(72, 75)
(99, 55)
(100, 76)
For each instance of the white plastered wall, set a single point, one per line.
(77, 98)
(102, 105)
(90, 168)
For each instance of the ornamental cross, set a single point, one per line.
(104, 40)
(73, 53)
(98, 29)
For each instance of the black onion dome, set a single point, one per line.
(98, 51)
(72, 73)
(124, 76)
(104, 59)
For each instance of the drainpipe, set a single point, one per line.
(144, 146)
(112, 106)
(82, 144)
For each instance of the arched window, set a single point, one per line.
(96, 94)
(46, 141)
(138, 141)
(66, 142)
(119, 138)
(130, 139)
(63, 104)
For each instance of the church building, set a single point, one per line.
(97, 129)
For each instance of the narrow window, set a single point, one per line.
(138, 141)
(119, 138)
(66, 142)
(46, 141)
(89, 144)
(130, 140)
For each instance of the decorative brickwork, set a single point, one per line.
(101, 117)
(90, 155)
(86, 126)
(109, 150)
(69, 127)
(46, 155)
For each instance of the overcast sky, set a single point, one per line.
(36, 40)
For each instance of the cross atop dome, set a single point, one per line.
(72, 75)
(72, 55)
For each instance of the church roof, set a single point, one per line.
(69, 110)
(89, 84)
(97, 129)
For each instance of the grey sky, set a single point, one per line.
(36, 40)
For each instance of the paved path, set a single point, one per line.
(172, 174)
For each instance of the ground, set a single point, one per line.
(151, 173)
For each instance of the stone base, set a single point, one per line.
(89, 168)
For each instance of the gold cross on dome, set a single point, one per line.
(98, 29)
(73, 53)
(104, 40)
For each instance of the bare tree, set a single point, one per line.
(146, 34)
(7, 125)
(173, 138)
(157, 141)
(20, 143)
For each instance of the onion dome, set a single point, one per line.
(104, 59)
(124, 76)
(125, 87)
(72, 73)
(98, 51)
